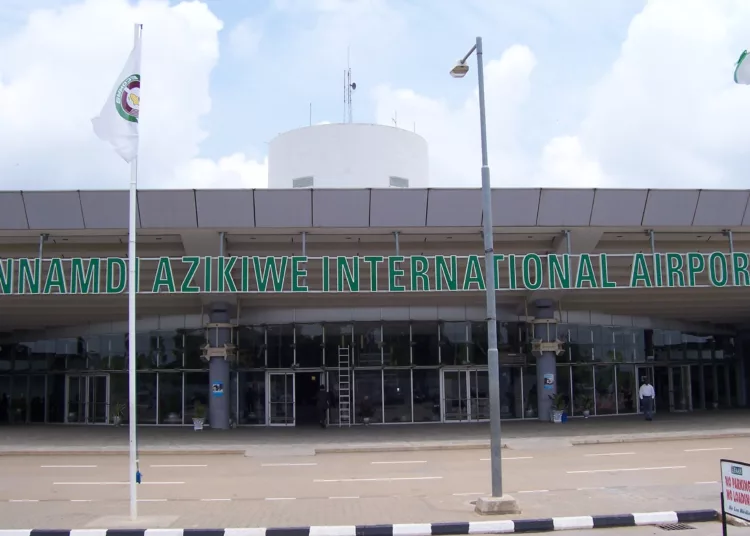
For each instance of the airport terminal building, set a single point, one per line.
(351, 273)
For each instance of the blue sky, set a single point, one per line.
(623, 93)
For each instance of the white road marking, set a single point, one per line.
(394, 479)
(81, 500)
(178, 465)
(610, 454)
(478, 493)
(115, 483)
(215, 500)
(352, 497)
(287, 464)
(629, 469)
(68, 466)
(534, 491)
(512, 458)
(398, 462)
(708, 450)
(281, 498)
(24, 500)
(708, 482)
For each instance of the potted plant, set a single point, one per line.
(118, 413)
(558, 407)
(587, 403)
(199, 416)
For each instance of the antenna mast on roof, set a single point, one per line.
(349, 86)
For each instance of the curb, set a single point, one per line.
(604, 440)
(413, 529)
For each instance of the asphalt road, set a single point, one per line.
(363, 488)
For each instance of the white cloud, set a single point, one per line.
(245, 37)
(54, 75)
(665, 114)
(234, 171)
(453, 133)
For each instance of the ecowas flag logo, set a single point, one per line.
(128, 98)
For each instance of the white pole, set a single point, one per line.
(132, 392)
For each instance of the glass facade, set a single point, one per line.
(402, 372)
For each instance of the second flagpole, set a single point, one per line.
(132, 391)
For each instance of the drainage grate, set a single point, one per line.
(675, 526)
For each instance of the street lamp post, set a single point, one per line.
(508, 504)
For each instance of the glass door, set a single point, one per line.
(455, 395)
(680, 392)
(479, 395)
(98, 399)
(280, 393)
(87, 399)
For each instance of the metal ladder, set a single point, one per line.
(345, 400)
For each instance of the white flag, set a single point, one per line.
(742, 70)
(118, 121)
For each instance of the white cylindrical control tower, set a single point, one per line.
(348, 155)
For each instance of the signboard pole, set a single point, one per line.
(723, 517)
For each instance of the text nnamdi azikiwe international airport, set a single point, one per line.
(415, 273)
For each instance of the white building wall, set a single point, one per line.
(347, 156)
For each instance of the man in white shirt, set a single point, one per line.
(647, 394)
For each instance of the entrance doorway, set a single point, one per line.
(307, 385)
(280, 399)
(680, 392)
(87, 399)
(465, 395)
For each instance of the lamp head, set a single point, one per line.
(459, 70)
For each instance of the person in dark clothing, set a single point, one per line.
(322, 405)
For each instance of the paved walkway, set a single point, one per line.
(59, 439)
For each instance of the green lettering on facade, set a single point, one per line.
(675, 275)
(299, 274)
(717, 269)
(208, 274)
(347, 273)
(658, 272)
(696, 264)
(373, 261)
(537, 280)
(419, 267)
(326, 274)
(604, 272)
(473, 274)
(164, 276)
(498, 260)
(446, 276)
(6, 276)
(187, 283)
(276, 273)
(29, 276)
(119, 265)
(84, 281)
(585, 272)
(740, 263)
(245, 275)
(395, 273)
(226, 281)
(558, 271)
(55, 278)
(639, 272)
(512, 282)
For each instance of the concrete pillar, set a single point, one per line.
(218, 370)
(546, 363)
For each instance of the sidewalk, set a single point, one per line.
(58, 439)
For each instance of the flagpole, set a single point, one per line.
(132, 391)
